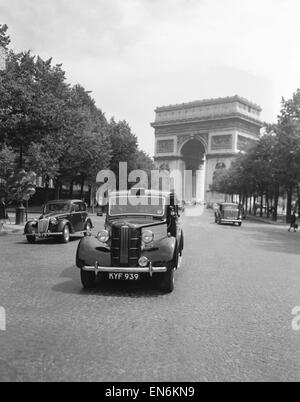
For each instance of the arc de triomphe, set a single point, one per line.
(202, 137)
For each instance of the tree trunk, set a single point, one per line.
(289, 204)
(91, 201)
(47, 189)
(298, 200)
(250, 205)
(276, 197)
(261, 205)
(58, 185)
(267, 204)
(71, 189)
(82, 188)
(254, 205)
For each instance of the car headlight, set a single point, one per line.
(103, 236)
(53, 221)
(147, 236)
(143, 262)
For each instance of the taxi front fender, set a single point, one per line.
(90, 251)
(163, 250)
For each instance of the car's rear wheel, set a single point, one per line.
(88, 279)
(31, 239)
(65, 237)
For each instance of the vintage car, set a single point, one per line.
(142, 238)
(60, 219)
(228, 213)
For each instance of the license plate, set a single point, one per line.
(123, 277)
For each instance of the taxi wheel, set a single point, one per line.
(168, 279)
(65, 237)
(88, 279)
(88, 229)
(30, 239)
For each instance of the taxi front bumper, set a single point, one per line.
(150, 269)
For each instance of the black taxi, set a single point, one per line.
(142, 237)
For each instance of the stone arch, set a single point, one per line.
(193, 156)
(182, 141)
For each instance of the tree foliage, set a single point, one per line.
(272, 165)
(4, 37)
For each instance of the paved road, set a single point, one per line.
(229, 317)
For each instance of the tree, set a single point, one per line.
(21, 185)
(4, 38)
(253, 174)
(7, 162)
(7, 166)
(289, 148)
(124, 146)
(143, 161)
(33, 101)
(87, 147)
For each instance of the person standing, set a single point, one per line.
(293, 222)
(3, 213)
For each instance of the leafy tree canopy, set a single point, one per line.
(4, 37)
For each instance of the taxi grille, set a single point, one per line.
(43, 226)
(125, 246)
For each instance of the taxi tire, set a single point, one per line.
(88, 229)
(65, 237)
(167, 282)
(31, 239)
(88, 279)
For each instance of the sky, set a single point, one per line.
(135, 55)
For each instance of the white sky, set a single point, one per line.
(138, 54)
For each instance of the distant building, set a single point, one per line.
(202, 137)
(2, 58)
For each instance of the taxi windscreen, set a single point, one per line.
(133, 205)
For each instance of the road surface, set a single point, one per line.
(229, 318)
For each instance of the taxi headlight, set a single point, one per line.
(143, 262)
(54, 221)
(103, 236)
(147, 236)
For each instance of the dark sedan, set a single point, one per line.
(228, 213)
(60, 219)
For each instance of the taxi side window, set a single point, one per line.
(83, 207)
(76, 207)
